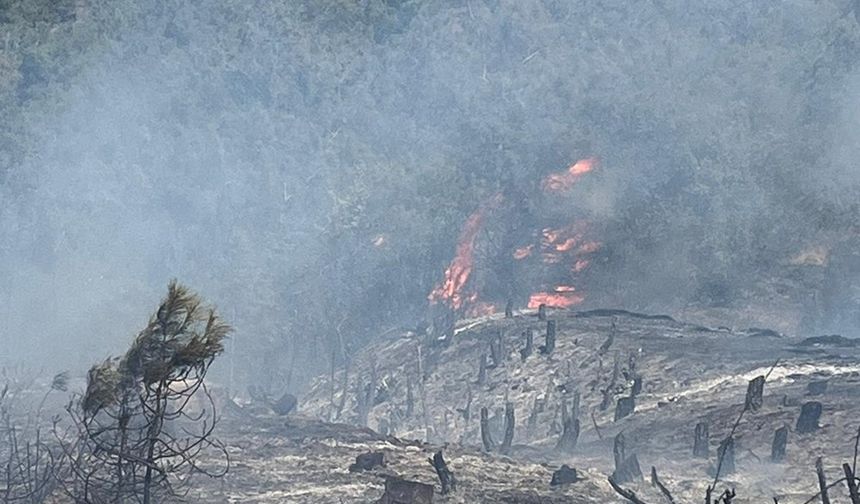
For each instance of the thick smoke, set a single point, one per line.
(257, 152)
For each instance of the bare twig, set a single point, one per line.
(627, 494)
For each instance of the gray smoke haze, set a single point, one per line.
(254, 151)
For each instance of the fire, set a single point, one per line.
(563, 296)
(562, 182)
(451, 290)
(523, 252)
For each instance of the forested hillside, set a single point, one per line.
(309, 164)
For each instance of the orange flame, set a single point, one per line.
(523, 252)
(563, 296)
(561, 182)
(450, 291)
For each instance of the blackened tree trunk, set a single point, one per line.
(486, 435)
(510, 425)
(726, 457)
(549, 346)
(569, 436)
(851, 482)
(542, 312)
(810, 413)
(822, 481)
(625, 407)
(446, 477)
(701, 441)
(509, 309)
(529, 348)
(755, 393)
(780, 439)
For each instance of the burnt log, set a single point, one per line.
(701, 441)
(564, 475)
(486, 435)
(780, 440)
(510, 424)
(822, 481)
(542, 312)
(401, 491)
(569, 436)
(446, 477)
(810, 413)
(726, 457)
(755, 394)
(529, 348)
(549, 346)
(625, 407)
(367, 461)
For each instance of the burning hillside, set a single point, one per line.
(554, 256)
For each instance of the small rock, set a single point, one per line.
(563, 476)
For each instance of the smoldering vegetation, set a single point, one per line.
(309, 165)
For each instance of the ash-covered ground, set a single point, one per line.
(689, 374)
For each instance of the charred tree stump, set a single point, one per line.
(851, 482)
(547, 348)
(509, 309)
(510, 424)
(755, 394)
(822, 481)
(726, 457)
(780, 439)
(626, 467)
(482, 370)
(367, 461)
(563, 476)
(569, 436)
(398, 491)
(701, 441)
(810, 413)
(625, 407)
(486, 435)
(529, 348)
(542, 312)
(446, 477)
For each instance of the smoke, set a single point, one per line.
(256, 152)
